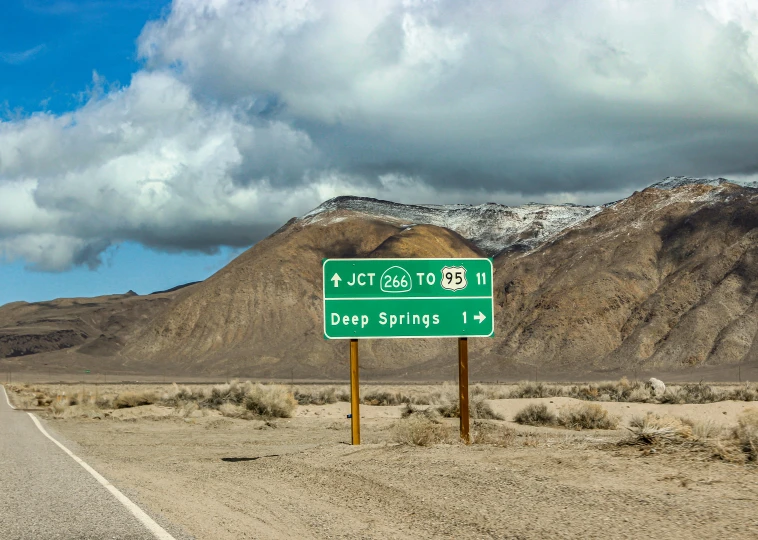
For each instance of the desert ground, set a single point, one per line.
(229, 472)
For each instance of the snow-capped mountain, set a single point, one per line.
(673, 182)
(492, 227)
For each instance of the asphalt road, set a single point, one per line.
(44, 493)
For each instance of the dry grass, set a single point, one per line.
(529, 390)
(409, 410)
(385, 398)
(653, 429)
(271, 401)
(625, 391)
(127, 400)
(320, 395)
(704, 438)
(746, 434)
(422, 429)
(491, 433)
(239, 399)
(738, 445)
(447, 404)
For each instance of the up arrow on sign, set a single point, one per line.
(480, 317)
(336, 279)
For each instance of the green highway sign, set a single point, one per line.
(401, 298)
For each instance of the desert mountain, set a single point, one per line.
(665, 279)
(66, 334)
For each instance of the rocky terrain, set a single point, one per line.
(662, 280)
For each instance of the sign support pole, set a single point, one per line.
(463, 387)
(354, 393)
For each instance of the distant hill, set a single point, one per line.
(178, 287)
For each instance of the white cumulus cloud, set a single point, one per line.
(247, 113)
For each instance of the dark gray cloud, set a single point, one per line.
(247, 113)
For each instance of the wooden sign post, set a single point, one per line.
(463, 387)
(355, 398)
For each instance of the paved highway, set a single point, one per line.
(46, 493)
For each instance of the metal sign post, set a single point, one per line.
(405, 298)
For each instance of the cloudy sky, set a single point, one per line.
(144, 143)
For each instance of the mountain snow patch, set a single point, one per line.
(491, 227)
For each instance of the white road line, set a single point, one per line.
(7, 398)
(146, 520)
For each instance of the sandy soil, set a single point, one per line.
(223, 478)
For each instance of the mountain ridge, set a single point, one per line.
(664, 279)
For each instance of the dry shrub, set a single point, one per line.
(692, 393)
(236, 399)
(745, 392)
(621, 390)
(497, 392)
(481, 410)
(178, 394)
(624, 390)
(670, 431)
(316, 396)
(705, 430)
(270, 401)
(211, 398)
(186, 409)
(449, 407)
(653, 429)
(386, 398)
(42, 399)
(429, 412)
(419, 430)
(535, 414)
(527, 389)
(231, 411)
(104, 402)
(126, 400)
(587, 416)
(58, 407)
(640, 395)
(746, 434)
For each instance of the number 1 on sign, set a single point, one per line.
(481, 278)
(464, 317)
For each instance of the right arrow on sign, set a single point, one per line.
(480, 317)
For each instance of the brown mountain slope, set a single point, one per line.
(262, 313)
(664, 279)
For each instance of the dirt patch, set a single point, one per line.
(298, 477)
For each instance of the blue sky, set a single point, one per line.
(49, 49)
(48, 52)
(143, 144)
